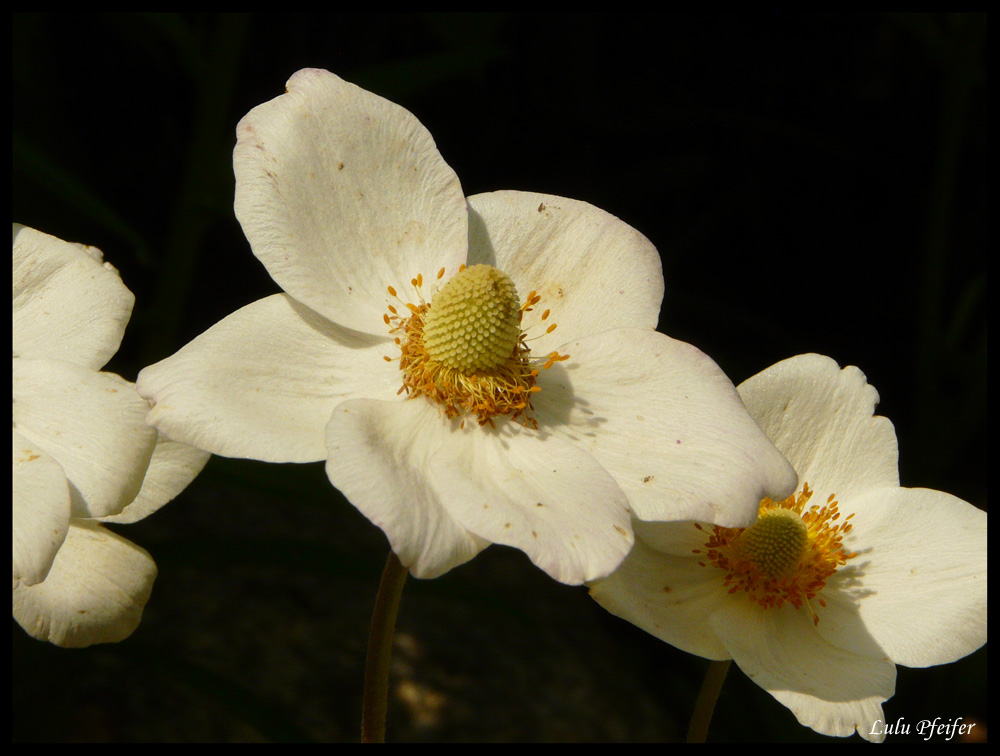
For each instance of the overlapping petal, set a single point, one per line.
(41, 510)
(171, 469)
(670, 597)
(540, 494)
(68, 305)
(829, 689)
(846, 450)
(263, 382)
(342, 193)
(94, 593)
(594, 272)
(379, 456)
(664, 420)
(93, 424)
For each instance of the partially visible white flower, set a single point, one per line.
(82, 452)
(831, 588)
(432, 416)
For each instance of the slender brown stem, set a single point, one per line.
(707, 696)
(376, 695)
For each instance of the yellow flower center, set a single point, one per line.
(786, 556)
(474, 322)
(465, 349)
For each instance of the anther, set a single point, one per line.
(465, 349)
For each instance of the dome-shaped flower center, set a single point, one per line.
(775, 542)
(466, 350)
(474, 321)
(786, 556)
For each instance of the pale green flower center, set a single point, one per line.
(474, 321)
(466, 349)
(775, 543)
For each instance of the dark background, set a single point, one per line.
(814, 183)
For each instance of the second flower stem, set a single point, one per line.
(705, 704)
(376, 695)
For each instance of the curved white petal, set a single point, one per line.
(92, 423)
(342, 193)
(41, 510)
(820, 418)
(670, 597)
(682, 539)
(94, 593)
(537, 493)
(68, 305)
(922, 564)
(171, 469)
(828, 689)
(262, 382)
(379, 455)
(664, 420)
(593, 271)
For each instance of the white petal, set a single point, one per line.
(67, 304)
(593, 271)
(93, 424)
(173, 466)
(922, 562)
(378, 458)
(828, 689)
(342, 193)
(537, 493)
(664, 420)
(670, 597)
(820, 418)
(675, 538)
(41, 510)
(262, 382)
(94, 593)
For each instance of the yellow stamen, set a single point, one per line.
(786, 556)
(466, 350)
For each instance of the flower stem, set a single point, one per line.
(707, 696)
(376, 695)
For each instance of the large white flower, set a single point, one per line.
(447, 409)
(82, 452)
(831, 588)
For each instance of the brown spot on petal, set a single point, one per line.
(553, 291)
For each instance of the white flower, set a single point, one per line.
(818, 609)
(445, 441)
(82, 452)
